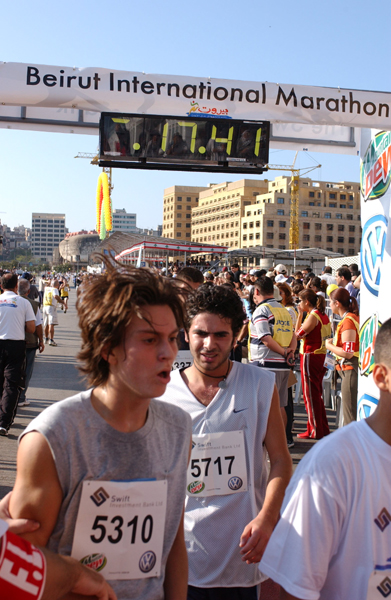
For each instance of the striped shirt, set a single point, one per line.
(261, 325)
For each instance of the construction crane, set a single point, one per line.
(294, 220)
(94, 157)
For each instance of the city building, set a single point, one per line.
(249, 213)
(221, 207)
(329, 216)
(178, 202)
(48, 229)
(124, 221)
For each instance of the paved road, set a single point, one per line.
(56, 377)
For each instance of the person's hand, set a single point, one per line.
(299, 309)
(18, 526)
(41, 346)
(254, 539)
(91, 583)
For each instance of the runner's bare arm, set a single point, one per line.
(257, 533)
(37, 493)
(176, 577)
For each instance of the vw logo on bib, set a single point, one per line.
(372, 251)
(235, 483)
(147, 561)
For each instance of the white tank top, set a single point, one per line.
(214, 524)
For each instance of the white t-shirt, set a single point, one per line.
(214, 524)
(15, 311)
(335, 525)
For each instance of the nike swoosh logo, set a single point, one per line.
(240, 410)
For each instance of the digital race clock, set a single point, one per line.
(211, 144)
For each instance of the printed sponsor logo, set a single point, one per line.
(385, 587)
(235, 483)
(373, 245)
(193, 444)
(147, 561)
(203, 111)
(195, 487)
(368, 334)
(383, 519)
(100, 496)
(375, 172)
(96, 562)
(366, 405)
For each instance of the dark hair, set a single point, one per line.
(288, 300)
(345, 273)
(316, 301)
(383, 344)
(235, 266)
(190, 274)
(262, 272)
(342, 296)
(218, 300)
(327, 270)
(354, 268)
(107, 304)
(316, 282)
(9, 281)
(297, 288)
(265, 286)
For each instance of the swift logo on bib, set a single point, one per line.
(100, 496)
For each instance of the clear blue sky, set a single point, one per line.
(330, 43)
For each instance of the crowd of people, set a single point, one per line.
(179, 484)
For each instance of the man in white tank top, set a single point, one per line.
(104, 472)
(231, 509)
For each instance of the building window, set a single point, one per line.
(342, 196)
(332, 205)
(282, 223)
(312, 194)
(327, 215)
(341, 250)
(318, 238)
(341, 227)
(269, 235)
(188, 215)
(350, 217)
(179, 216)
(311, 203)
(179, 224)
(306, 238)
(245, 238)
(282, 247)
(179, 234)
(332, 196)
(179, 207)
(341, 240)
(318, 226)
(244, 226)
(329, 238)
(351, 240)
(280, 201)
(179, 198)
(304, 213)
(330, 227)
(282, 236)
(352, 228)
(306, 225)
(338, 216)
(188, 225)
(342, 206)
(280, 212)
(270, 223)
(257, 236)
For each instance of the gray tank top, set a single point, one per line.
(85, 447)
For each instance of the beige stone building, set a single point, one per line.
(249, 212)
(178, 203)
(221, 207)
(329, 216)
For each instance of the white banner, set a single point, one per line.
(375, 256)
(97, 90)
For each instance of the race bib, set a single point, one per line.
(379, 585)
(183, 360)
(217, 465)
(120, 528)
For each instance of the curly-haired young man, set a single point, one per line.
(104, 472)
(232, 503)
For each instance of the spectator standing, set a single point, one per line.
(345, 346)
(34, 341)
(343, 278)
(313, 333)
(16, 318)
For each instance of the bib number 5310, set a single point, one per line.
(116, 532)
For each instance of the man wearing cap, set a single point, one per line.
(33, 293)
(280, 273)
